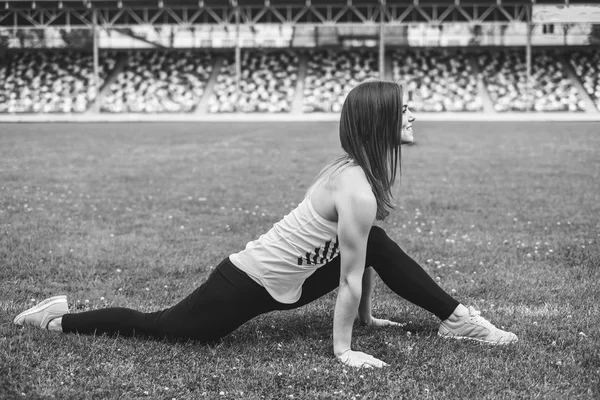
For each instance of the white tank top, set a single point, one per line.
(291, 251)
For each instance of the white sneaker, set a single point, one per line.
(475, 327)
(41, 314)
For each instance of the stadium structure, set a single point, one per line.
(86, 60)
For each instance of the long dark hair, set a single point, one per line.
(370, 132)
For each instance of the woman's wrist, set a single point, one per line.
(341, 353)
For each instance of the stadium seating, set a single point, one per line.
(587, 68)
(268, 83)
(437, 80)
(152, 81)
(50, 81)
(332, 74)
(159, 81)
(505, 75)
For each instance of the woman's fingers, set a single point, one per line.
(359, 359)
(374, 363)
(384, 322)
(392, 323)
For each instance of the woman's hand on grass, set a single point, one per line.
(379, 322)
(358, 359)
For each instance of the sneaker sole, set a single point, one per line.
(44, 304)
(477, 340)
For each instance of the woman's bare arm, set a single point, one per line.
(356, 211)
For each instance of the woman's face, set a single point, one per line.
(406, 135)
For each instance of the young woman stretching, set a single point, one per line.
(328, 241)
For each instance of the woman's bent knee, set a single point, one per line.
(377, 235)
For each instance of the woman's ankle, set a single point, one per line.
(55, 325)
(459, 312)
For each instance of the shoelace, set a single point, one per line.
(475, 316)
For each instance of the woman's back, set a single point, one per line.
(303, 240)
(338, 179)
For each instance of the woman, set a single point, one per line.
(328, 241)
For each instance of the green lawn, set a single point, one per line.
(504, 215)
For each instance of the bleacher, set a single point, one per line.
(50, 81)
(267, 84)
(505, 76)
(437, 80)
(156, 81)
(586, 65)
(332, 74)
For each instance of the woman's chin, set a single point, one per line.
(407, 140)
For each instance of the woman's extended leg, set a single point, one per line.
(226, 300)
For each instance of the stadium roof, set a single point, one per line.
(228, 3)
(110, 13)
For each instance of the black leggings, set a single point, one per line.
(229, 298)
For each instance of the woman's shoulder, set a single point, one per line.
(347, 185)
(352, 176)
(353, 182)
(354, 196)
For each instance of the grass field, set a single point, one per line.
(506, 216)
